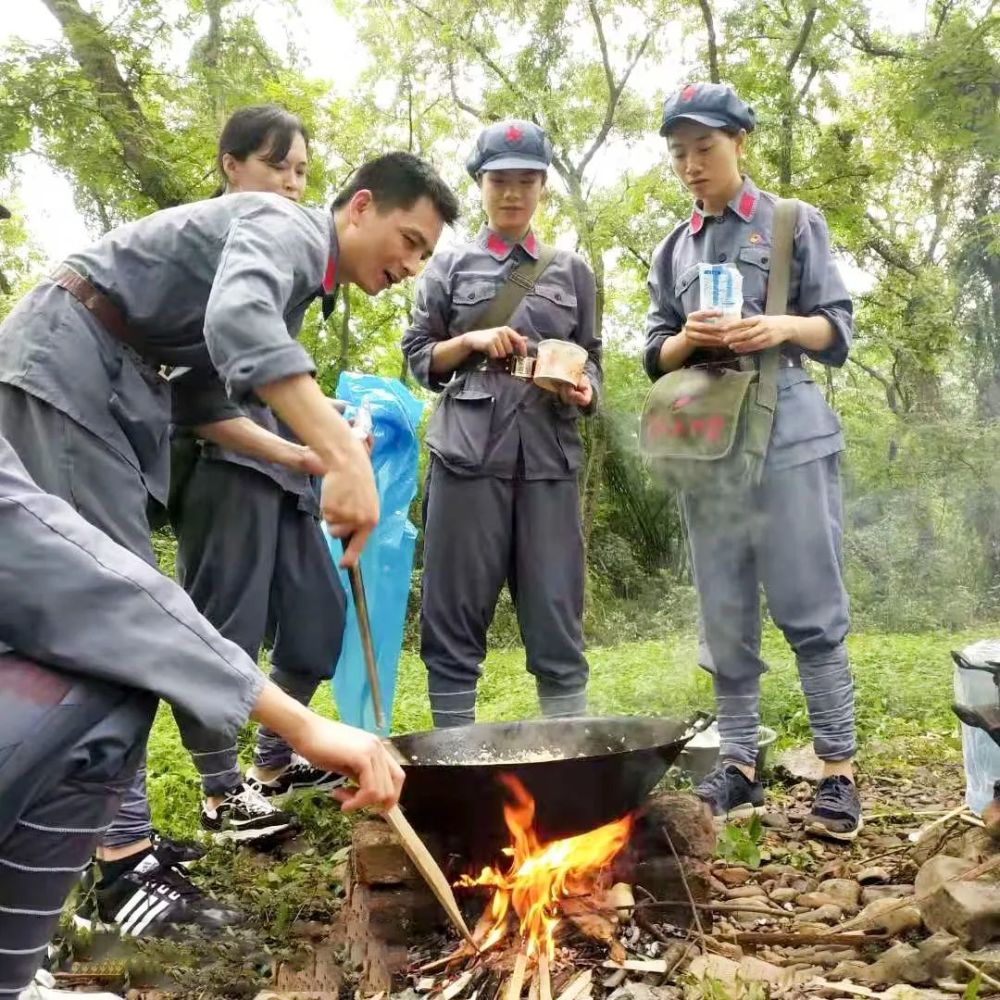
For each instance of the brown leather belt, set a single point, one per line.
(109, 316)
(784, 361)
(517, 366)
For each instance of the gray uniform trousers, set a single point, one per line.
(480, 531)
(786, 537)
(66, 460)
(255, 564)
(69, 749)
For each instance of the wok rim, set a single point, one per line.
(684, 731)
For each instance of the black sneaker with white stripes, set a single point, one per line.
(153, 900)
(244, 815)
(170, 850)
(298, 776)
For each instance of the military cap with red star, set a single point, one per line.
(711, 104)
(510, 145)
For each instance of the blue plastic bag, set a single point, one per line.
(387, 560)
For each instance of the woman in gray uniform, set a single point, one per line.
(501, 501)
(250, 548)
(785, 534)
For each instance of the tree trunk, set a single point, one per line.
(116, 104)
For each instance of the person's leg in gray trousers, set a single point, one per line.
(786, 537)
(308, 607)
(69, 749)
(547, 585)
(227, 539)
(468, 529)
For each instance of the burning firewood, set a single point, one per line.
(578, 986)
(516, 981)
(457, 988)
(593, 923)
(544, 978)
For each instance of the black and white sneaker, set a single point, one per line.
(245, 815)
(153, 900)
(298, 776)
(730, 794)
(836, 810)
(172, 851)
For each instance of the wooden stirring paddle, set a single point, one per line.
(429, 869)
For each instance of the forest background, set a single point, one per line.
(882, 114)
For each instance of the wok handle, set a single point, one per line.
(699, 722)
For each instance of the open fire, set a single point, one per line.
(546, 883)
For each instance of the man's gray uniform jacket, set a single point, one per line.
(220, 286)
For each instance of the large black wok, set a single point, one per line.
(582, 773)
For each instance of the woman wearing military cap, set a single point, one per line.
(782, 532)
(501, 501)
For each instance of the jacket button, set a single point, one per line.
(764, 260)
(722, 258)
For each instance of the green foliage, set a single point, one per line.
(893, 134)
(739, 843)
(974, 987)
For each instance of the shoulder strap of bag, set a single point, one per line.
(519, 282)
(778, 282)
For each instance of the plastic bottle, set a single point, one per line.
(980, 754)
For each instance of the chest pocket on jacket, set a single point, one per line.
(468, 301)
(550, 311)
(755, 266)
(687, 290)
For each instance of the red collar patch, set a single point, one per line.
(531, 244)
(497, 245)
(330, 278)
(748, 202)
(697, 221)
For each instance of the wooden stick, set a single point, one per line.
(544, 977)
(639, 965)
(684, 882)
(753, 905)
(577, 986)
(516, 981)
(976, 971)
(458, 986)
(923, 831)
(429, 869)
(850, 938)
(443, 963)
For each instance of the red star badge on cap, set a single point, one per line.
(688, 92)
(513, 134)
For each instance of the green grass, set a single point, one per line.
(903, 685)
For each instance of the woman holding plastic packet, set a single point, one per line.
(784, 534)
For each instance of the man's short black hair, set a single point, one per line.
(400, 180)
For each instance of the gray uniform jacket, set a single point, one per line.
(217, 286)
(73, 599)
(487, 422)
(805, 428)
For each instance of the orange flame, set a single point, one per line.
(541, 874)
